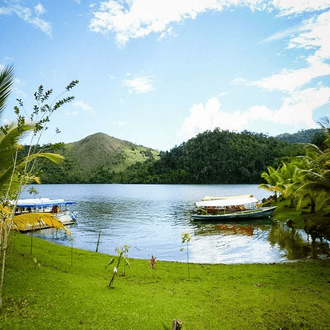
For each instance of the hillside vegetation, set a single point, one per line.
(212, 157)
(95, 153)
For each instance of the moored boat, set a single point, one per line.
(33, 214)
(232, 207)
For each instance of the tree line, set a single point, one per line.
(212, 157)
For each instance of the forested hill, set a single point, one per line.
(212, 157)
(303, 136)
(215, 157)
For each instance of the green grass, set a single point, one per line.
(133, 155)
(56, 295)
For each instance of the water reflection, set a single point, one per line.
(295, 242)
(151, 219)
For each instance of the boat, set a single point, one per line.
(34, 214)
(231, 208)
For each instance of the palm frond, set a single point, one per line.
(33, 221)
(8, 143)
(325, 203)
(6, 85)
(14, 175)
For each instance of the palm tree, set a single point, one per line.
(16, 173)
(316, 175)
(273, 179)
(290, 179)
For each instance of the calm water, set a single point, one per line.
(151, 219)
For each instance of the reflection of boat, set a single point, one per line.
(233, 207)
(226, 229)
(32, 214)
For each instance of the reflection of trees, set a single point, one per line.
(291, 240)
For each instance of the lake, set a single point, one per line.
(151, 219)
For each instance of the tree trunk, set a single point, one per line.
(3, 254)
(176, 325)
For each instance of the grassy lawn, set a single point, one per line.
(43, 291)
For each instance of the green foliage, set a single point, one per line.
(186, 238)
(16, 172)
(122, 253)
(222, 157)
(217, 157)
(303, 136)
(6, 85)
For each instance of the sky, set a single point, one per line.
(159, 72)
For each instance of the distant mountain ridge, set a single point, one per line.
(303, 136)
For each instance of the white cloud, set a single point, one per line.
(294, 7)
(26, 14)
(39, 9)
(313, 35)
(138, 18)
(209, 117)
(296, 110)
(290, 80)
(129, 19)
(84, 106)
(139, 85)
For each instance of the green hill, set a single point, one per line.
(93, 154)
(97, 150)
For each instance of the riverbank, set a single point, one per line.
(62, 288)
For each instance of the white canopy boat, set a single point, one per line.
(232, 207)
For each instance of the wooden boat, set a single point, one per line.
(34, 214)
(232, 207)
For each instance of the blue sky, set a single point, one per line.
(158, 72)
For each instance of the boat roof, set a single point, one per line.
(237, 200)
(43, 202)
(211, 198)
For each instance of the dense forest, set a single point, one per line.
(212, 157)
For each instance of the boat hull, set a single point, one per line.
(263, 212)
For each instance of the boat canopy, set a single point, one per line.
(211, 198)
(43, 202)
(237, 200)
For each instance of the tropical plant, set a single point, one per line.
(290, 179)
(186, 238)
(153, 261)
(316, 175)
(273, 179)
(121, 254)
(6, 85)
(15, 172)
(33, 191)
